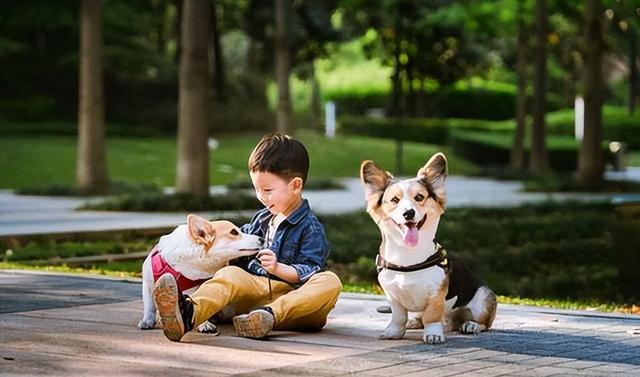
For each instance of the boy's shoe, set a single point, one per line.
(256, 324)
(176, 312)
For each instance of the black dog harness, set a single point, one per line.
(439, 258)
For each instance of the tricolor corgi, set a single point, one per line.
(414, 271)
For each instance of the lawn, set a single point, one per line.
(44, 160)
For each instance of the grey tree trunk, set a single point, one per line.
(538, 159)
(590, 162)
(517, 151)
(192, 173)
(284, 118)
(91, 166)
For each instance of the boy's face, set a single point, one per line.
(278, 195)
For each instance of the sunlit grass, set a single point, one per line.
(30, 161)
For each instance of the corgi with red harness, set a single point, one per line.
(414, 271)
(192, 253)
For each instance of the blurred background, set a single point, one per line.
(150, 103)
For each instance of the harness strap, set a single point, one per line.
(160, 266)
(439, 258)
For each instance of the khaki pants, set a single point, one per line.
(303, 309)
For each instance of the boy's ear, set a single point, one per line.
(296, 184)
(201, 231)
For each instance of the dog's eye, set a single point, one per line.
(395, 200)
(234, 232)
(419, 198)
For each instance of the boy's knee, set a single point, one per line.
(230, 273)
(330, 281)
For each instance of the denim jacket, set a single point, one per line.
(299, 241)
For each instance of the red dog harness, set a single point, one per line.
(160, 266)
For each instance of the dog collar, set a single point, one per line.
(439, 258)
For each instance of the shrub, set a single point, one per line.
(425, 130)
(495, 149)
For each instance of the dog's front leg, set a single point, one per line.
(148, 320)
(397, 327)
(432, 319)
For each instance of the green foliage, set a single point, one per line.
(551, 250)
(494, 149)
(425, 130)
(617, 124)
(177, 202)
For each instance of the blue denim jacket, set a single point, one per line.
(299, 241)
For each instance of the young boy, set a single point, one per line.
(286, 287)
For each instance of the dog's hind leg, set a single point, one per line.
(148, 320)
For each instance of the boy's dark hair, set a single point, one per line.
(281, 155)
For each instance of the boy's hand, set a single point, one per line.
(268, 260)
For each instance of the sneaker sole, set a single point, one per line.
(253, 325)
(166, 296)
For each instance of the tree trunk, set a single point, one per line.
(192, 174)
(590, 162)
(517, 151)
(316, 102)
(91, 166)
(633, 72)
(538, 161)
(216, 58)
(284, 121)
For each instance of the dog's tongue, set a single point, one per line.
(410, 236)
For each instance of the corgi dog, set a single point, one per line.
(414, 271)
(192, 253)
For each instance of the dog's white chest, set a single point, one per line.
(412, 289)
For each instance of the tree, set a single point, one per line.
(517, 151)
(538, 162)
(590, 160)
(91, 166)
(194, 97)
(284, 121)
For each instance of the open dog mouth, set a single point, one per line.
(410, 231)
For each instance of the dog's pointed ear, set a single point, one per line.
(201, 231)
(434, 173)
(375, 181)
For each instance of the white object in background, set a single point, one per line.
(330, 119)
(213, 143)
(579, 115)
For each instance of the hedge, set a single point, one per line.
(495, 149)
(425, 130)
(474, 103)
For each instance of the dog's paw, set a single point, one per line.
(208, 328)
(433, 334)
(146, 324)
(392, 332)
(414, 323)
(470, 327)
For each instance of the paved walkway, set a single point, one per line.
(24, 215)
(61, 325)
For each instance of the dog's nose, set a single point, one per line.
(409, 214)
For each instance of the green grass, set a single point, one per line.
(46, 160)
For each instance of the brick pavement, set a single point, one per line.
(64, 325)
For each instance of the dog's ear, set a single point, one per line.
(201, 231)
(434, 174)
(375, 181)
